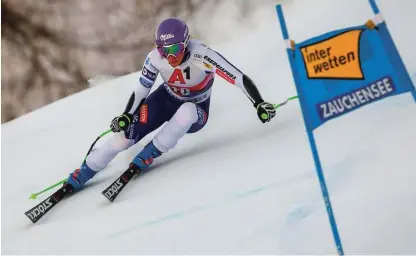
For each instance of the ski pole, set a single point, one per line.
(34, 195)
(93, 144)
(276, 106)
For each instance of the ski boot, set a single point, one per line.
(79, 177)
(145, 158)
(65, 191)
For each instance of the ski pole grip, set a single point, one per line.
(124, 122)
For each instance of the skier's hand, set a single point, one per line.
(121, 122)
(265, 111)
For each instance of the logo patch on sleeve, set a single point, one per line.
(221, 71)
(148, 74)
(197, 57)
(146, 83)
(144, 112)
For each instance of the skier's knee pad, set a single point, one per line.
(101, 156)
(177, 127)
(186, 115)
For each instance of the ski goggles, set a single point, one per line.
(173, 49)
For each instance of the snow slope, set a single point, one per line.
(238, 186)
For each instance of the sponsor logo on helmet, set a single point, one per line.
(166, 37)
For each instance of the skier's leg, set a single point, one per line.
(98, 159)
(189, 118)
(154, 112)
(202, 110)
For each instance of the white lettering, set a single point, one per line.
(367, 94)
(332, 109)
(114, 189)
(166, 37)
(357, 98)
(324, 110)
(387, 84)
(48, 203)
(40, 208)
(360, 96)
(353, 100)
(381, 88)
(344, 101)
(373, 88)
(338, 104)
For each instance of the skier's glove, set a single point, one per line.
(265, 111)
(121, 122)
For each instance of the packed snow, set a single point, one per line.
(238, 186)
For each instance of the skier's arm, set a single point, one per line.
(145, 83)
(221, 66)
(146, 80)
(250, 89)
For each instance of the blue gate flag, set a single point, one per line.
(339, 72)
(343, 70)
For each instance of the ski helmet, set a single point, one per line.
(172, 32)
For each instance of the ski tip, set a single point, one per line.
(111, 199)
(33, 196)
(32, 220)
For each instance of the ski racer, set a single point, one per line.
(188, 68)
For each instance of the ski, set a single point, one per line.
(46, 205)
(115, 188)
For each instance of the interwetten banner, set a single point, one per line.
(343, 70)
(339, 72)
